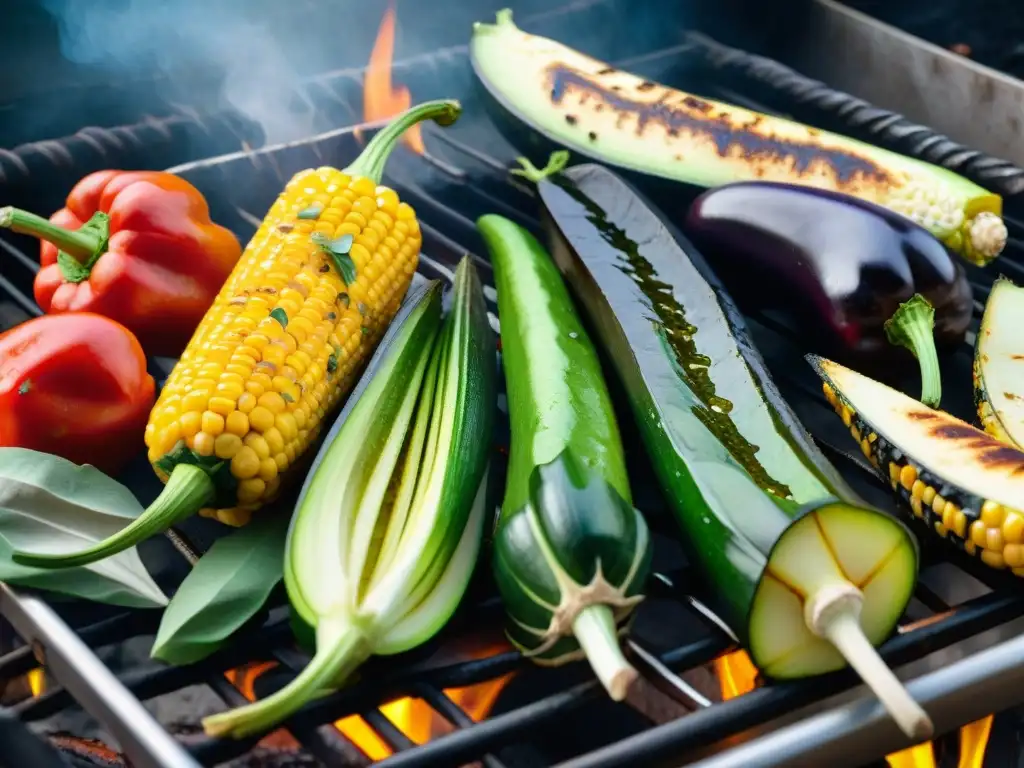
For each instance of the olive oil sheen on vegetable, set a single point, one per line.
(806, 574)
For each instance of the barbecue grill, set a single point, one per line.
(542, 717)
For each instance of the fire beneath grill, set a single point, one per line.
(412, 716)
(738, 676)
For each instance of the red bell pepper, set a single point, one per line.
(75, 385)
(136, 246)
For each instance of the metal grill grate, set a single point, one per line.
(463, 177)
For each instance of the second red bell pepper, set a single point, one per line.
(75, 385)
(136, 246)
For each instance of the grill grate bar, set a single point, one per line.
(453, 713)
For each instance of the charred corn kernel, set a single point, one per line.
(907, 476)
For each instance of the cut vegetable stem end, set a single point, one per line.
(188, 490)
(370, 162)
(80, 245)
(556, 163)
(594, 628)
(911, 326)
(331, 665)
(834, 613)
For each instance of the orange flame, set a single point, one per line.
(37, 682)
(381, 100)
(413, 717)
(737, 675)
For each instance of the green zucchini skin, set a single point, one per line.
(733, 460)
(567, 530)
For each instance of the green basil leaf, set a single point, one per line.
(49, 503)
(228, 585)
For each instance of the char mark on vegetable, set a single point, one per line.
(750, 140)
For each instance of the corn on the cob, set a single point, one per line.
(284, 341)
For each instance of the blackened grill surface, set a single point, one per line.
(544, 717)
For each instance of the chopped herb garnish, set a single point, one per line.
(366, 331)
(26, 385)
(332, 316)
(338, 251)
(312, 212)
(332, 364)
(280, 315)
(344, 300)
(287, 398)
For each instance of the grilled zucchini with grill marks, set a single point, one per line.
(964, 484)
(999, 364)
(617, 117)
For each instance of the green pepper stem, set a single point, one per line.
(332, 663)
(556, 163)
(80, 245)
(911, 327)
(371, 160)
(188, 490)
(594, 628)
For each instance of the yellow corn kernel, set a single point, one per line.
(992, 559)
(226, 445)
(992, 514)
(284, 340)
(237, 423)
(907, 476)
(245, 463)
(1013, 554)
(1013, 527)
(202, 444)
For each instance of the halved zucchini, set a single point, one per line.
(999, 364)
(965, 485)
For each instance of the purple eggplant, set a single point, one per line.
(858, 277)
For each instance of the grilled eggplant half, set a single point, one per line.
(964, 484)
(999, 364)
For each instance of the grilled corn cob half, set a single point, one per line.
(284, 341)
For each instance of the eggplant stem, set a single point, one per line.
(556, 163)
(834, 613)
(911, 326)
(594, 628)
(331, 664)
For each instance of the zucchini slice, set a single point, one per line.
(965, 485)
(806, 575)
(999, 364)
(616, 117)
